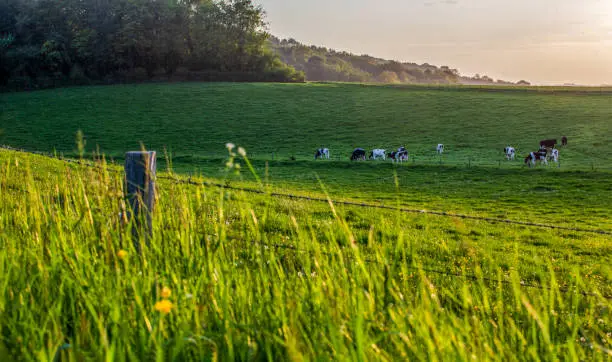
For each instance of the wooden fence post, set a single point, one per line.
(140, 170)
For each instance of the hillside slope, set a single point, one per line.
(323, 64)
(293, 119)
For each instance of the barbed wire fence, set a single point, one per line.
(488, 280)
(189, 181)
(176, 180)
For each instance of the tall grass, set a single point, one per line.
(248, 277)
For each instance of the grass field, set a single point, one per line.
(196, 120)
(255, 277)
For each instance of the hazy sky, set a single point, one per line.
(543, 41)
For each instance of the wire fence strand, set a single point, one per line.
(385, 207)
(487, 280)
(189, 181)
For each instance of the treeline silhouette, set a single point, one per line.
(47, 43)
(323, 64)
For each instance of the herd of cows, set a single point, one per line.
(547, 152)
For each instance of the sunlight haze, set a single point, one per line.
(544, 41)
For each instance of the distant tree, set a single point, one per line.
(523, 82)
(315, 68)
(388, 77)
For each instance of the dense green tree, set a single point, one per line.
(49, 42)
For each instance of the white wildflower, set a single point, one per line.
(241, 151)
(230, 146)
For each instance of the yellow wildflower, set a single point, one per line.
(166, 292)
(164, 306)
(121, 254)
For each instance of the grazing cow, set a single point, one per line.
(563, 141)
(440, 148)
(534, 157)
(554, 155)
(548, 143)
(358, 154)
(510, 152)
(378, 153)
(399, 156)
(322, 153)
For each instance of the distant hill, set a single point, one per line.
(323, 64)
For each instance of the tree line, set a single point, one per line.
(45, 43)
(323, 64)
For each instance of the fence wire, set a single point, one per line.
(384, 207)
(487, 280)
(189, 181)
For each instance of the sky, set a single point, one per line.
(542, 41)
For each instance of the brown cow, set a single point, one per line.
(548, 143)
(563, 141)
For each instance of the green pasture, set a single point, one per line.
(280, 125)
(279, 121)
(255, 277)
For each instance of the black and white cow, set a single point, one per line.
(400, 155)
(510, 152)
(358, 154)
(378, 153)
(554, 155)
(322, 153)
(440, 148)
(535, 157)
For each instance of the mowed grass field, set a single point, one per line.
(195, 121)
(254, 277)
(275, 122)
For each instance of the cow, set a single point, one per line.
(548, 143)
(399, 156)
(322, 153)
(534, 157)
(554, 155)
(510, 152)
(378, 153)
(563, 141)
(440, 148)
(358, 154)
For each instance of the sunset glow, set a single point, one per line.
(546, 42)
